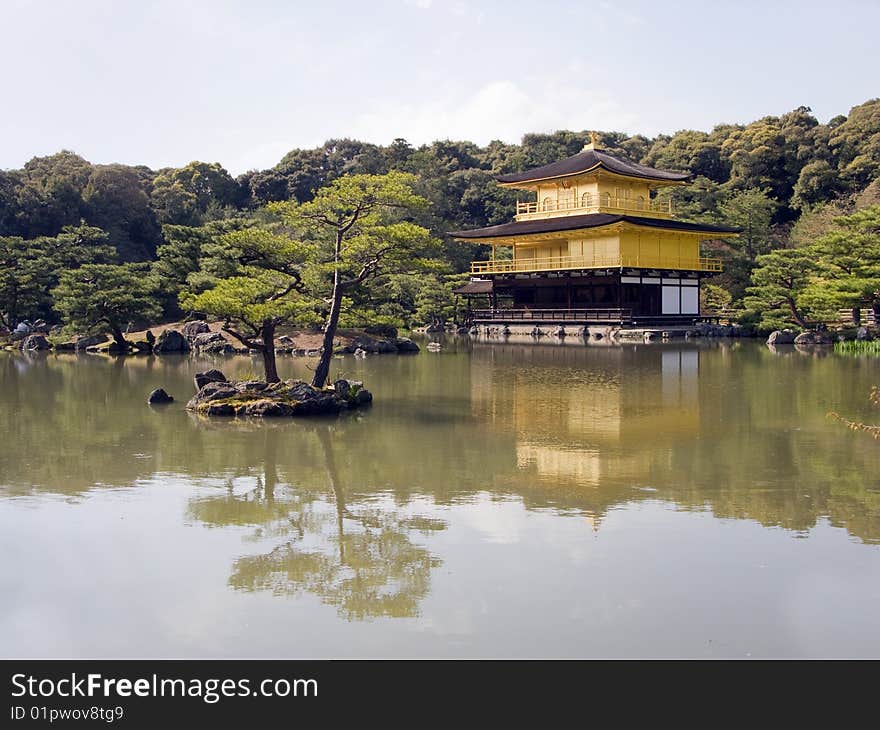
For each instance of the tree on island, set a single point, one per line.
(107, 295)
(356, 231)
(252, 279)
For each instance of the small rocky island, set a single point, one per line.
(218, 396)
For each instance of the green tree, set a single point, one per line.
(752, 212)
(253, 279)
(50, 194)
(856, 142)
(109, 296)
(689, 150)
(191, 194)
(29, 268)
(849, 263)
(178, 257)
(779, 283)
(818, 182)
(115, 199)
(357, 231)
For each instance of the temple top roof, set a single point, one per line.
(590, 159)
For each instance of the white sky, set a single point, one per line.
(165, 82)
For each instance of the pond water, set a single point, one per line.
(498, 500)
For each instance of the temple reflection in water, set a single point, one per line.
(579, 424)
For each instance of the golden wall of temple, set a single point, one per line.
(643, 247)
(607, 192)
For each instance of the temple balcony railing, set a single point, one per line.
(593, 203)
(541, 315)
(616, 261)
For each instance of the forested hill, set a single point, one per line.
(778, 177)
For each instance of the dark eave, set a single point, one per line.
(472, 288)
(589, 160)
(589, 220)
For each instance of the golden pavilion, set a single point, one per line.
(595, 245)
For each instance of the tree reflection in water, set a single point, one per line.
(358, 558)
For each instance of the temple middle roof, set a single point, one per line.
(591, 220)
(590, 159)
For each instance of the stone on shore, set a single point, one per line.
(376, 346)
(212, 342)
(814, 338)
(91, 341)
(81, 343)
(170, 341)
(35, 342)
(781, 337)
(405, 344)
(192, 329)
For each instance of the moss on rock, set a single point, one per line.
(285, 398)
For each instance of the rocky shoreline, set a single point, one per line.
(200, 337)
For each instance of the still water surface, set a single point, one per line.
(497, 501)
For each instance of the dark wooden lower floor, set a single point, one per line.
(618, 297)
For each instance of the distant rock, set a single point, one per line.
(285, 340)
(367, 344)
(81, 343)
(196, 327)
(209, 376)
(213, 343)
(159, 396)
(814, 338)
(171, 341)
(405, 344)
(862, 333)
(781, 337)
(433, 347)
(35, 342)
(91, 341)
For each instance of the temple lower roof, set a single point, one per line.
(588, 160)
(482, 286)
(589, 220)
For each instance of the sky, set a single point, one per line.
(165, 82)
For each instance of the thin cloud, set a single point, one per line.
(499, 110)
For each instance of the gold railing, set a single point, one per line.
(591, 203)
(567, 263)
